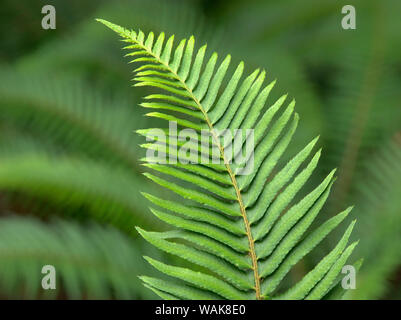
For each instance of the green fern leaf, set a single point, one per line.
(241, 233)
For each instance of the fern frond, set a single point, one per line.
(260, 228)
(90, 261)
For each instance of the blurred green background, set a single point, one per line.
(70, 175)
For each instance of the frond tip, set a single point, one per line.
(241, 229)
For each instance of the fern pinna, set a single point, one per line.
(240, 232)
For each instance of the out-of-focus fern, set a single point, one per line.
(91, 261)
(242, 235)
(364, 111)
(379, 209)
(87, 156)
(96, 190)
(72, 115)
